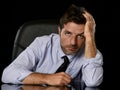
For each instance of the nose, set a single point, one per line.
(73, 41)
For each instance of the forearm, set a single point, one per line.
(60, 79)
(35, 78)
(90, 47)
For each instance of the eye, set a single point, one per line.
(67, 33)
(81, 36)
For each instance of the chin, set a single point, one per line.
(70, 53)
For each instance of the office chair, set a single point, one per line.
(29, 31)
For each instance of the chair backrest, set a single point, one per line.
(29, 31)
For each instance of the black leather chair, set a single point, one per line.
(29, 31)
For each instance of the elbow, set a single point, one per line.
(4, 79)
(7, 77)
(93, 83)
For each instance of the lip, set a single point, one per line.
(72, 49)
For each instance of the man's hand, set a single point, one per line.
(59, 79)
(89, 31)
(89, 26)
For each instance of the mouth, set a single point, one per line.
(72, 49)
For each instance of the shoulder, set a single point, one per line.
(47, 37)
(51, 38)
(44, 42)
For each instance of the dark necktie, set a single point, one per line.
(64, 66)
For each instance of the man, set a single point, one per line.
(38, 63)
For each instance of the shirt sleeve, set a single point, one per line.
(92, 70)
(23, 65)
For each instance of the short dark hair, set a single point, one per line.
(73, 14)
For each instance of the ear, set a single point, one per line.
(59, 31)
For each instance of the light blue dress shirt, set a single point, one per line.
(44, 54)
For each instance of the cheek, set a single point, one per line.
(64, 41)
(80, 43)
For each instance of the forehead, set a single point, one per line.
(74, 28)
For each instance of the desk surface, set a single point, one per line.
(43, 87)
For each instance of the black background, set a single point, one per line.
(14, 14)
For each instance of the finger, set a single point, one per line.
(65, 81)
(88, 16)
(66, 75)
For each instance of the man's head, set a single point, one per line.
(71, 29)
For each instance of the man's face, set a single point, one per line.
(71, 37)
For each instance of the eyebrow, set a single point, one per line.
(70, 32)
(81, 33)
